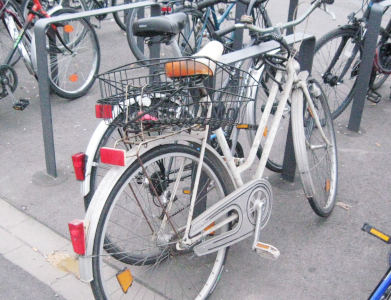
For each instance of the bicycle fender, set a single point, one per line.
(92, 147)
(98, 201)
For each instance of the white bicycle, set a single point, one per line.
(160, 227)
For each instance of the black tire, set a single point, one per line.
(160, 253)
(339, 94)
(109, 138)
(189, 40)
(85, 41)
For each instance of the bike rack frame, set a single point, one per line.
(306, 54)
(364, 73)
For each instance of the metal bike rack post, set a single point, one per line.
(364, 73)
(43, 76)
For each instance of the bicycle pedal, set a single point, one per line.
(373, 96)
(267, 251)
(21, 104)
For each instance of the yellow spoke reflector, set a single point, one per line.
(209, 227)
(125, 279)
(73, 78)
(379, 234)
(242, 126)
(68, 28)
(187, 192)
(265, 132)
(327, 185)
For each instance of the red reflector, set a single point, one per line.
(166, 9)
(103, 111)
(76, 230)
(112, 156)
(78, 161)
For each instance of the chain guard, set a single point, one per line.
(239, 202)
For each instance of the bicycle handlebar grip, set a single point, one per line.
(207, 3)
(328, 1)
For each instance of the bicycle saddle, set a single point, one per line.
(201, 63)
(161, 25)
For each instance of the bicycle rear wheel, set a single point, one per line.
(332, 53)
(73, 57)
(316, 159)
(132, 220)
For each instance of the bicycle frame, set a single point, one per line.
(382, 286)
(237, 171)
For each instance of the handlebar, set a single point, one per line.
(315, 4)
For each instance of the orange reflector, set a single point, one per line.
(209, 227)
(265, 132)
(379, 234)
(125, 279)
(242, 126)
(112, 156)
(68, 28)
(310, 111)
(187, 192)
(327, 185)
(186, 68)
(73, 78)
(263, 246)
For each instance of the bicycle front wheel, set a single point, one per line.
(73, 57)
(316, 157)
(336, 63)
(143, 242)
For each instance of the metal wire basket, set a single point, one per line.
(179, 92)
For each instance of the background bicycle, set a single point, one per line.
(73, 53)
(337, 60)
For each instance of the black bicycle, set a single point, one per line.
(338, 56)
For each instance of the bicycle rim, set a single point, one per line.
(158, 269)
(316, 161)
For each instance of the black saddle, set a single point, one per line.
(168, 25)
